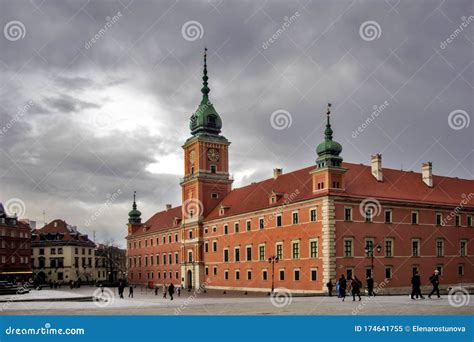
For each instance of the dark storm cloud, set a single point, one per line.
(80, 64)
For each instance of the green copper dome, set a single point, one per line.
(134, 216)
(206, 120)
(329, 150)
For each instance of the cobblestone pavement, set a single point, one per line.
(217, 303)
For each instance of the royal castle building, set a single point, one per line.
(299, 230)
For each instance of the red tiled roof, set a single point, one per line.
(61, 227)
(163, 220)
(297, 186)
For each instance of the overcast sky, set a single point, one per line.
(96, 96)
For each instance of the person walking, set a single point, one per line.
(415, 286)
(156, 290)
(434, 280)
(130, 291)
(370, 286)
(342, 287)
(101, 288)
(329, 285)
(356, 284)
(164, 291)
(171, 290)
(179, 291)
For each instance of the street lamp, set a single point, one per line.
(272, 260)
(370, 249)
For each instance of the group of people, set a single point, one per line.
(416, 285)
(354, 286)
(170, 289)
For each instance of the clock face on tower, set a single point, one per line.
(213, 155)
(192, 155)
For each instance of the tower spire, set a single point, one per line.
(134, 216)
(205, 89)
(134, 200)
(328, 131)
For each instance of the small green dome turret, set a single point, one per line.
(329, 150)
(206, 120)
(134, 216)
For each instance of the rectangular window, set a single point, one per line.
(469, 221)
(237, 275)
(261, 252)
(261, 223)
(388, 216)
(295, 217)
(214, 246)
(226, 229)
(439, 219)
(313, 215)
(249, 226)
(313, 248)
(439, 247)
(278, 218)
(207, 270)
(226, 255)
(206, 247)
(461, 270)
(249, 275)
(388, 247)
(415, 248)
(214, 270)
(388, 272)
(190, 256)
(296, 250)
(462, 248)
(368, 214)
(279, 251)
(314, 274)
(458, 220)
(347, 214)
(414, 217)
(264, 275)
(347, 247)
(176, 258)
(236, 227)
(237, 254)
(282, 275)
(164, 259)
(249, 253)
(369, 247)
(296, 274)
(226, 275)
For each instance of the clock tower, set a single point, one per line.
(206, 181)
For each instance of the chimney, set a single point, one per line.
(168, 207)
(376, 162)
(427, 173)
(277, 173)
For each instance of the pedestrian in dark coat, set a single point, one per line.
(329, 285)
(356, 284)
(165, 290)
(434, 280)
(130, 291)
(342, 287)
(370, 286)
(415, 286)
(179, 291)
(156, 290)
(171, 290)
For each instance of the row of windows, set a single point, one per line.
(13, 232)
(150, 275)
(153, 240)
(13, 245)
(151, 259)
(14, 259)
(295, 251)
(388, 217)
(262, 222)
(313, 274)
(370, 249)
